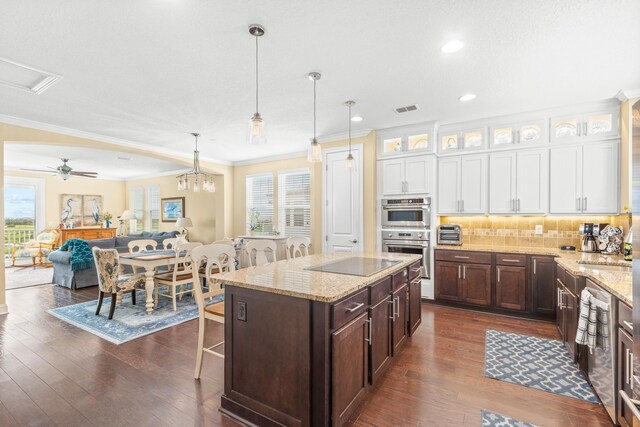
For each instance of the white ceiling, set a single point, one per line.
(151, 71)
(106, 163)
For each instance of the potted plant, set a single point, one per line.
(254, 222)
(106, 217)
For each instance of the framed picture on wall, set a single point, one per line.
(172, 209)
(71, 210)
(91, 210)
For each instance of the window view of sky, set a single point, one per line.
(19, 202)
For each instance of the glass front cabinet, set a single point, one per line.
(462, 141)
(403, 140)
(579, 127)
(520, 133)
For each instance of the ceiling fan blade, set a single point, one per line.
(84, 175)
(55, 169)
(36, 170)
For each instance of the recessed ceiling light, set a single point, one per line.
(467, 97)
(452, 46)
(357, 118)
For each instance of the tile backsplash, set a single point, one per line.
(520, 231)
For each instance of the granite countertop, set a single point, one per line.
(289, 277)
(618, 282)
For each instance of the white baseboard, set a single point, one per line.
(4, 309)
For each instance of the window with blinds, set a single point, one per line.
(260, 203)
(294, 203)
(144, 202)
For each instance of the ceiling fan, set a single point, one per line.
(65, 171)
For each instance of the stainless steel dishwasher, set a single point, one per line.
(602, 361)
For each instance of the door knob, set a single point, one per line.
(354, 241)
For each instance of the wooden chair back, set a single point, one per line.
(142, 245)
(171, 242)
(224, 242)
(208, 260)
(297, 247)
(183, 263)
(260, 248)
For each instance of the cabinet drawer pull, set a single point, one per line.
(510, 260)
(461, 257)
(518, 205)
(626, 356)
(356, 307)
(498, 274)
(459, 272)
(393, 310)
(534, 266)
(628, 324)
(370, 321)
(578, 204)
(584, 207)
(397, 313)
(464, 271)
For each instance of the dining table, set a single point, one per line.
(150, 261)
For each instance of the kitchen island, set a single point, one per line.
(303, 342)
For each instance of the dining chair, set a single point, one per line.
(224, 242)
(180, 275)
(111, 282)
(297, 247)
(216, 258)
(171, 242)
(260, 248)
(141, 245)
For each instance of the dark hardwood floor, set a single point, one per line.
(52, 373)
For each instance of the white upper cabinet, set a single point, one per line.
(581, 127)
(584, 179)
(404, 140)
(462, 184)
(518, 182)
(518, 133)
(408, 175)
(457, 141)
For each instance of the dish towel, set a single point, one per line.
(81, 255)
(593, 324)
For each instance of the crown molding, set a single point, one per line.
(626, 94)
(17, 121)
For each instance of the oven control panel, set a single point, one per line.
(405, 235)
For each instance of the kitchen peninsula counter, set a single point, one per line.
(302, 347)
(618, 282)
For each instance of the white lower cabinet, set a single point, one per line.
(462, 182)
(584, 179)
(518, 182)
(408, 175)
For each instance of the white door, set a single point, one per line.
(417, 172)
(600, 178)
(392, 177)
(448, 185)
(343, 221)
(473, 184)
(532, 181)
(502, 183)
(565, 180)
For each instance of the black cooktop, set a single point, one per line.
(355, 266)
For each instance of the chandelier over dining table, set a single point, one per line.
(195, 179)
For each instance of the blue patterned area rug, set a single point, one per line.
(534, 362)
(129, 321)
(491, 419)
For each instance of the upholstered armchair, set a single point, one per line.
(36, 249)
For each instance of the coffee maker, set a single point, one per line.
(590, 236)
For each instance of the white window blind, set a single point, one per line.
(294, 203)
(144, 202)
(260, 203)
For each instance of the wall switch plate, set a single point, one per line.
(242, 311)
(539, 230)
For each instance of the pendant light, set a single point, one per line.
(351, 162)
(201, 180)
(257, 131)
(314, 154)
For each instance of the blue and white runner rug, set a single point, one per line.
(491, 419)
(534, 362)
(129, 321)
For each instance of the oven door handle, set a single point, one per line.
(407, 208)
(412, 245)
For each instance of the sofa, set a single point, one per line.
(61, 260)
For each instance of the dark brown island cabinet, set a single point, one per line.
(515, 284)
(625, 362)
(320, 359)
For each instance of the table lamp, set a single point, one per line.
(123, 227)
(184, 223)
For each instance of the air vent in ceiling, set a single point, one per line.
(406, 109)
(24, 77)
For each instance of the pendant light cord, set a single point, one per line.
(314, 110)
(256, 74)
(349, 128)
